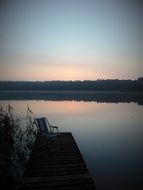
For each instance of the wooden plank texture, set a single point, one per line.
(56, 164)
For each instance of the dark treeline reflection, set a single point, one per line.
(111, 97)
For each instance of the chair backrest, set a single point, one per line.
(43, 125)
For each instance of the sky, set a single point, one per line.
(71, 39)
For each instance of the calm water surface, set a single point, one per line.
(109, 136)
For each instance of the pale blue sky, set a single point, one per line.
(70, 39)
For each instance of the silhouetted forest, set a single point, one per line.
(86, 85)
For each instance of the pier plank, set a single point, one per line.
(56, 164)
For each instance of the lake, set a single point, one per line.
(108, 129)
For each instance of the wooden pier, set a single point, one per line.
(56, 164)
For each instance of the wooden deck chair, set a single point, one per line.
(45, 128)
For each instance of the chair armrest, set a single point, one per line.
(54, 126)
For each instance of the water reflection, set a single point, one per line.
(110, 136)
(110, 96)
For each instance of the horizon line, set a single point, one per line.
(66, 80)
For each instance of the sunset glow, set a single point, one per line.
(70, 40)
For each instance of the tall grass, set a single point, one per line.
(16, 141)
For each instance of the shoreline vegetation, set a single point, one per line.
(109, 91)
(109, 85)
(16, 143)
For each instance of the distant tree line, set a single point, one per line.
(86, 85)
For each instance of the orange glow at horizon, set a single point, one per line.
(65, 69)
(65, 72)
